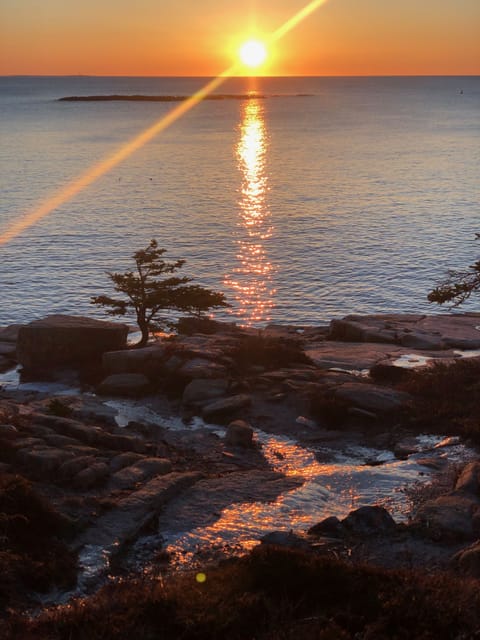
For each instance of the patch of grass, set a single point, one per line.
(446, 397)
(271, 594)
(33, 553)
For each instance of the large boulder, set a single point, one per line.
(372, 397)
(147, 360)
(64, 341)
(221, 409)
(468, 560)
(202, 391)
(450, 517)
(125, 384)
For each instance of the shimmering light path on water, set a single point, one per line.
(252, 279)
(73, 187)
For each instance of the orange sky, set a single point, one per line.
(187, 37)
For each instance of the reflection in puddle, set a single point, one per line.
(412, 361)
(345, 483)
(252, 280)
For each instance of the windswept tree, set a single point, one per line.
(458, 286)
(151, 291)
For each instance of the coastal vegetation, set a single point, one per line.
(150, 290)
(458, 285)
(34, 555)
(270, 594)
(446, 397)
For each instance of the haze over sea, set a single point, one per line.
(323, 197)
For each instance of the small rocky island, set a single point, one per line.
(80, 488)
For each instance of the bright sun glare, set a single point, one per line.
(253, 53)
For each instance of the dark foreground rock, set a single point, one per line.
(64, 341)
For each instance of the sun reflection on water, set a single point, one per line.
(252, 279)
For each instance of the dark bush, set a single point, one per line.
(446, 397)
(33, 553)
(272, 594)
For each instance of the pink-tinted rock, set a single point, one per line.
(129, 385)
(200, 391)
(148, 360)
(440, 331)
(450, 517)
(372, 397)
(226, 406)
(201, 368)
(10, 333)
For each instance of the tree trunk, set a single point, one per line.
(145, 334)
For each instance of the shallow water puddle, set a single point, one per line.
(335, 480)
(334, 488)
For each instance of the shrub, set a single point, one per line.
(33, 554)
(446, 397)
(272, 593)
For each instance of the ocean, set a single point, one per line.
(316, 198)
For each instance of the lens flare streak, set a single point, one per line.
(98, 170)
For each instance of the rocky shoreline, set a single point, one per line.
(314, 384)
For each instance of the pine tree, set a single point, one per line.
(151, 291)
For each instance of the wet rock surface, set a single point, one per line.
(119, 484)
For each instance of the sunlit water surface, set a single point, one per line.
(326, 196)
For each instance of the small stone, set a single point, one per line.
(124, 460)
(469, 479)
(226, 406)
(468, 560)
(239, 434)
(306, 422)
(8, 432)
(71, 467)
(330, 527)
(285, 539)
(369, 520)
(91, 476)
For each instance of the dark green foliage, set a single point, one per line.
(458, 286)
(150, 291)
(269, 352)
(272, 594)
(446, 397)
(32, 552)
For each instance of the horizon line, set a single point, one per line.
(357, 75)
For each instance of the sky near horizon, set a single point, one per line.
(191, 38)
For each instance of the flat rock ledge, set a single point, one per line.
(430, 332)
(136, 511)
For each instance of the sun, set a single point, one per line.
(253, 53)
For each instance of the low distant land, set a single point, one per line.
(146, 98)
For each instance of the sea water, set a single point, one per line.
(317, 198)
